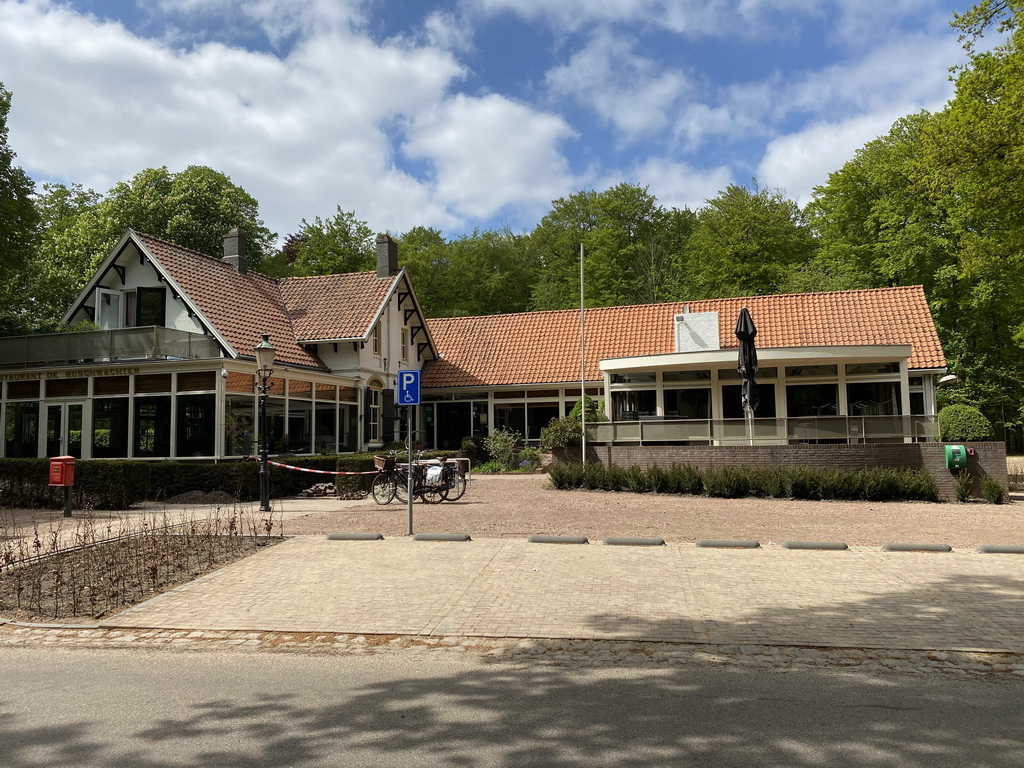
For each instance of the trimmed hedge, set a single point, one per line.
(118, 484)
(879, 484)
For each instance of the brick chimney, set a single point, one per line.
(387, 256)
(234, 251)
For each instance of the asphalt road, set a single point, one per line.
(82, 708)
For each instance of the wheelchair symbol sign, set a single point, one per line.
(408, 387)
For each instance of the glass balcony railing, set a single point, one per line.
(151, 342)
(823, 429)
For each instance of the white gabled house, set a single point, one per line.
(170, 370)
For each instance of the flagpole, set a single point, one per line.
(583, 370)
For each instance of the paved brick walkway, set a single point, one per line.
(862, 598)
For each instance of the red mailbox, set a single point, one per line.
(62, 470)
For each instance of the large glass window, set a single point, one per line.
(812, 400)
(152, 426)
(538, 416)
(509, 417)
(326, 427)
(732, 402)
(21, 430)
(110, 428)
(300, 426)
(196, 432)
(633, 405)
(240, 426)
(687, 403)
(875, 398)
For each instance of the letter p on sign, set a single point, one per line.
(408, 388)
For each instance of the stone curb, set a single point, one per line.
(441, 537)
(728, 543)
(838, 546)
(355, 536)
(543, 538)
(899, 546)
(786, 658)
(634, 541)
(1000, 549)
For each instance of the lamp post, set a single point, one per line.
(264, 368)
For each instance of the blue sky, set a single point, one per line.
(468, 113)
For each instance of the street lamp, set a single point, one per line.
(264, 368)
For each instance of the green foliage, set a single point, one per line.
(503, 446)
(747, 241)
(487, 272)
(879, 484)
(963, 483)
(18, 221)
(631, 246)
(560, 433)
(727, 482)
(963, 424)
(338, 245)
(529, 459)
(473, 448)
(992, 491)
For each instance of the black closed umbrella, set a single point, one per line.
(745, 332)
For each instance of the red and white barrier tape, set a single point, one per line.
(314, 471)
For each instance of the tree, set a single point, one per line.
(940, 202)
(18, 222)
(194, 208)
(631, 248)
(338, 245)
(747, 241)
(484, 273)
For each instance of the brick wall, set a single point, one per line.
(988, 459)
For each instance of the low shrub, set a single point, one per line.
(992, 491)
(963, 483)
(503, 446)
(473, 448)
(772, 482)
(637, 480)
(727, 482)
(685, 479)
(877, 484)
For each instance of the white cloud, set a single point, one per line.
(676, 184)
(798, 162)
(319, 127)
(631, 92)
(491, 153)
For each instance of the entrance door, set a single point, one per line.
(64, 429)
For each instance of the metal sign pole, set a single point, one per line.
(409, 395)
(408, 476)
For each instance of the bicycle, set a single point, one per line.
(385, 484)
(392, 481)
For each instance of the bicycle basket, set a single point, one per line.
(384, 463)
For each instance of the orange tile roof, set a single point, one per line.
(240, 307)
(544, 347)
(335, 306)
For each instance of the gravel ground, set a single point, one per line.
(514, 506)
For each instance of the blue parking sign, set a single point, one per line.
(408, 388)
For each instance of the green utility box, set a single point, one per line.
(956, 457)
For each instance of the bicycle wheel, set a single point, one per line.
(456, 486)
(432, 494)
(383, 488)
(401, 486)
